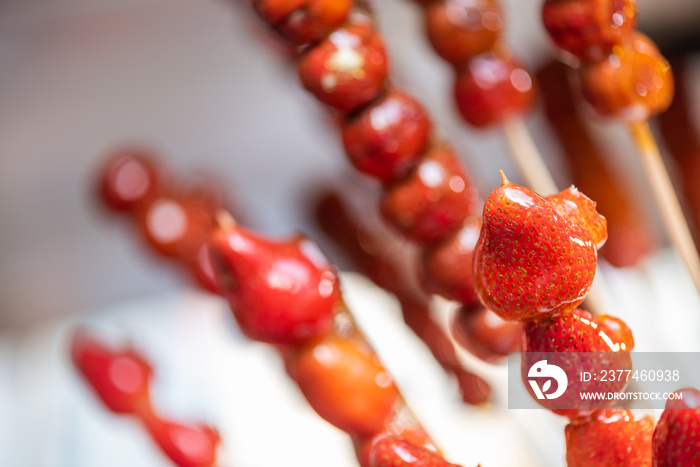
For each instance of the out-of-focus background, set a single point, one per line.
(202, 83)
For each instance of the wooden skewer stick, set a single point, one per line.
(666, 200)
(528, 158)
(539, 179)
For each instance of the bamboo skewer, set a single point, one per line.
(667, 202)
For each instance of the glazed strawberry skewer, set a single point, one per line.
(623, 75)
(491, 87)
(121, 379)
(534, 263)
(285, 293)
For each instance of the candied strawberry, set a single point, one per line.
(303, 21)
(121, 378)
(611, 438)
(581, 342)
(589, 29)
(462, 29)
(129, 177)
(416, 436)
(447, 266)
(281, 292)
(345, 384)
(187, 445)
(677, 435)
(534, 257)
(433, 200)
(396, 451)
(348, 69)
(386, 139)
(492, 88)
(633, 83)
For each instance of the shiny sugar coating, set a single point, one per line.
(386, 139)
(677, 434)
(397, 451)
(610, 438)
(303, 21)
(633, 83)
(590, 29)
(433, 200)
(129, 177)
(536, 256)
(348, 69)
(345, 384)
(447, 266)
(414, 435)
(462, 29)
(281, 292)
(578, 331)
(492, 87)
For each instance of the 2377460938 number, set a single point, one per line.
(639, 375)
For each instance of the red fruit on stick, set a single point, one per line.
(491, 88)
(128, 178)
(633, 83)
(596, 346)
(187, 445)
(485, 334)
(281, 292)
(589, 29)
(386, 139)
(303, 21)
(433, 200)
(534, 257)
(396, 451)
(174, 225)
(677, 435)
(447, 266)
(120, 378)
(345, 384)
(416, 436)
(462, 29)
(611, 438)
(348, 69)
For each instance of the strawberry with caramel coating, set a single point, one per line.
(348, 69)
(281, 292)
(574, 341)
(303, 21)
(536, 256)
(433, 200)
(611, 438)
(345, 384)
(493, 87)
(386, 139)
(633, 83)
(128, 178)
(396, 451)
(462, 29)
(677, 435)
(447, 266)
(589, 29)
